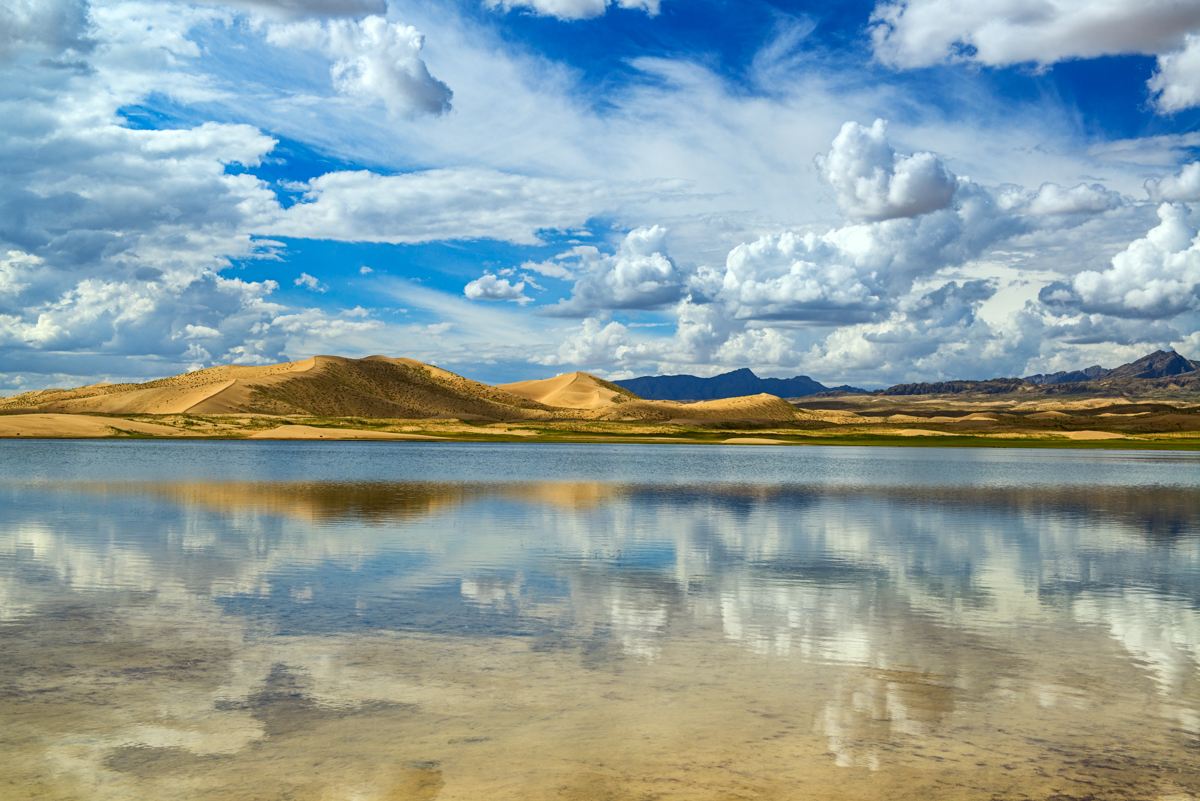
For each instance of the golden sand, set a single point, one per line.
(571, 391)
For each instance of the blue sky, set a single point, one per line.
(866, 192)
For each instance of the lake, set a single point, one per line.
(361, 621)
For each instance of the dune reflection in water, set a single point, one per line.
(222, 640)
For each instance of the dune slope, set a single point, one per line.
(382, 388)
(761, 408)
(571, 391)
(325, 386)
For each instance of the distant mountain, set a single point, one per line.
(1066, 376)
(1160, 364)
(1163, 369)
(727, 385)
(992, 386)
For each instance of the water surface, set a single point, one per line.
(417, 621)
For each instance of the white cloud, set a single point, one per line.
(122, 237)
(493, 287)
(365, 270)
(1079, 199)
(1153, 153)
(728, 159)
(873, 182)
(1183, 187)
(887, 300)
(116, 238)
(1099, 329)
(573, 9)
(1156, 277)
(57, 26)
(198, 332)
(854, 272)
(868, 299)
(372, 58)
(803, 277)
(640, 275)
(595, 343)
(309, 282)
(1175, 85)
(302, 8)
(452, 204)
(919, 33)
(553, 268)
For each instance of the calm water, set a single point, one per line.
(369, 621)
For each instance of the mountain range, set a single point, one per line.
(726, 385)
(1161, 370)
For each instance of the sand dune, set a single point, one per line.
(1092, 435)
(195, 392)
(68, 426)
(571, 391)
(317, 432)
(327, 386)
(380, 387)
(336, 398)
(751, 408)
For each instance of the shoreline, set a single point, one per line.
(1172, 432)
(847, 440)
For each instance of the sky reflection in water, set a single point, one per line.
(777, 632)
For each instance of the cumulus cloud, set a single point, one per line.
(853, 273)
(865, 298)
(56, 26)
(1099, 329)
(1183, 187)
(873, 182)
(450, 204)
(492, 287)
(798, 277)
(1175, 85)
(552, 268)
(573, 9)
(372, 58)
(953, 303)
(115, 238)
(639, 275)
(121, 239)
(595, 343)
(1079, 199)
(919, 33)
(310, 282)
(921, 341)
(1156, 277)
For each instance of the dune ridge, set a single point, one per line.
(760, 408)
(382, 387)
(210, 390)
(571, 391)
(333, 386)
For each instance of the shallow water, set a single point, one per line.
(419, 621)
